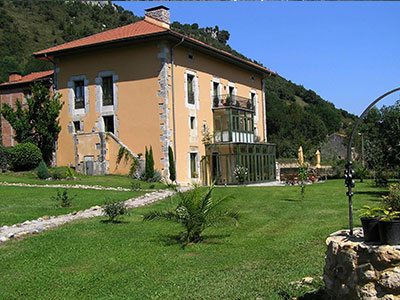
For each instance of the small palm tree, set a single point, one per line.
(196, 211)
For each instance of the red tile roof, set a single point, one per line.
(138, 29)
(30, 77)
(124, 32)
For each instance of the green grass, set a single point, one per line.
(280, 239)
(18, 204)
(30, 177)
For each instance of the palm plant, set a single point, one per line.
(196, 211)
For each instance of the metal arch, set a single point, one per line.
(349, 182)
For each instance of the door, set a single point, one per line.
(89, 165)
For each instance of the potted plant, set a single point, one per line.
(389, 227)
(369, 218)
(228, 100)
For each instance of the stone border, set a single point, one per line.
(46, 222)
(78, 186)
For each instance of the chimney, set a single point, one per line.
(158, 15)
(14, 76)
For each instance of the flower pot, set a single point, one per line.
(371, 229)
(389, 232)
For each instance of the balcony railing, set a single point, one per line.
(233, 101)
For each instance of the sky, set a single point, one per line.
(347, 52)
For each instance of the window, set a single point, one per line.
(77, 126)
(79, 90)
(215, 93)
(107, 86)
(190, 57)
(192, 122)
(190, 89)
(193, 165)
(108, 123)
(231, 88)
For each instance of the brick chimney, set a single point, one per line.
(158, 15)
(14, 76)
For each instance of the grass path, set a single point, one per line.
(279, 240)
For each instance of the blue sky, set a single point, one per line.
(347, 52)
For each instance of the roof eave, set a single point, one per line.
(49, 56)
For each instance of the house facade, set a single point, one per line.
(18, 88)
(145, 85)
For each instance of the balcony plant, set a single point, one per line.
(370, 218)
(216, 101)
(389, 227)
(228, 100)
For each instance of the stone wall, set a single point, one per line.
(357, 270)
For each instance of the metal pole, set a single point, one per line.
(349, 173)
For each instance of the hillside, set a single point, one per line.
(295, 116)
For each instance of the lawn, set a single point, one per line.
(279, 239)
(18, 204)
(30, 177)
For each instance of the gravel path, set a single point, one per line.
(48, 222)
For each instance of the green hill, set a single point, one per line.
(295, 116)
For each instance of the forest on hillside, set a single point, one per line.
(295, 115)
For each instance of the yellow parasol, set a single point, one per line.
(318, 154)
(301, 157)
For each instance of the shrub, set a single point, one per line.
(196, 211)
(149, 164)
(362, 173)
(172, 172)
(63, 200)
(69, 173)
(157, 177)
(135, 186)
(4, 158)
(42, 171)
(392, 201)
(58, 175)
(114, 209)
(381, 178)
(25, 156)
(240, 173)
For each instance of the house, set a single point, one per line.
(144, 84)
(18, 88)
(335, 148)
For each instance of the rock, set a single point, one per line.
(390, 279)
(5, 227)
(34, 222)
(40, 219)
(74, 212)
(10, 235)
(3, 239)
(368, 292)
(26, 223)
(307, 280)
(46, 218)
(40, 229)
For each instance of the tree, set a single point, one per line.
(196, 211)
(172, 173)
(37, 121)
(149, 164)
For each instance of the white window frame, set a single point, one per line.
(71, 95)
(99, 92)
(196, 104)
(215, 80)
(255, 105)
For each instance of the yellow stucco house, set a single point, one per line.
(144, 84)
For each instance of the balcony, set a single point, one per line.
(233, 101)
(233, 124)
